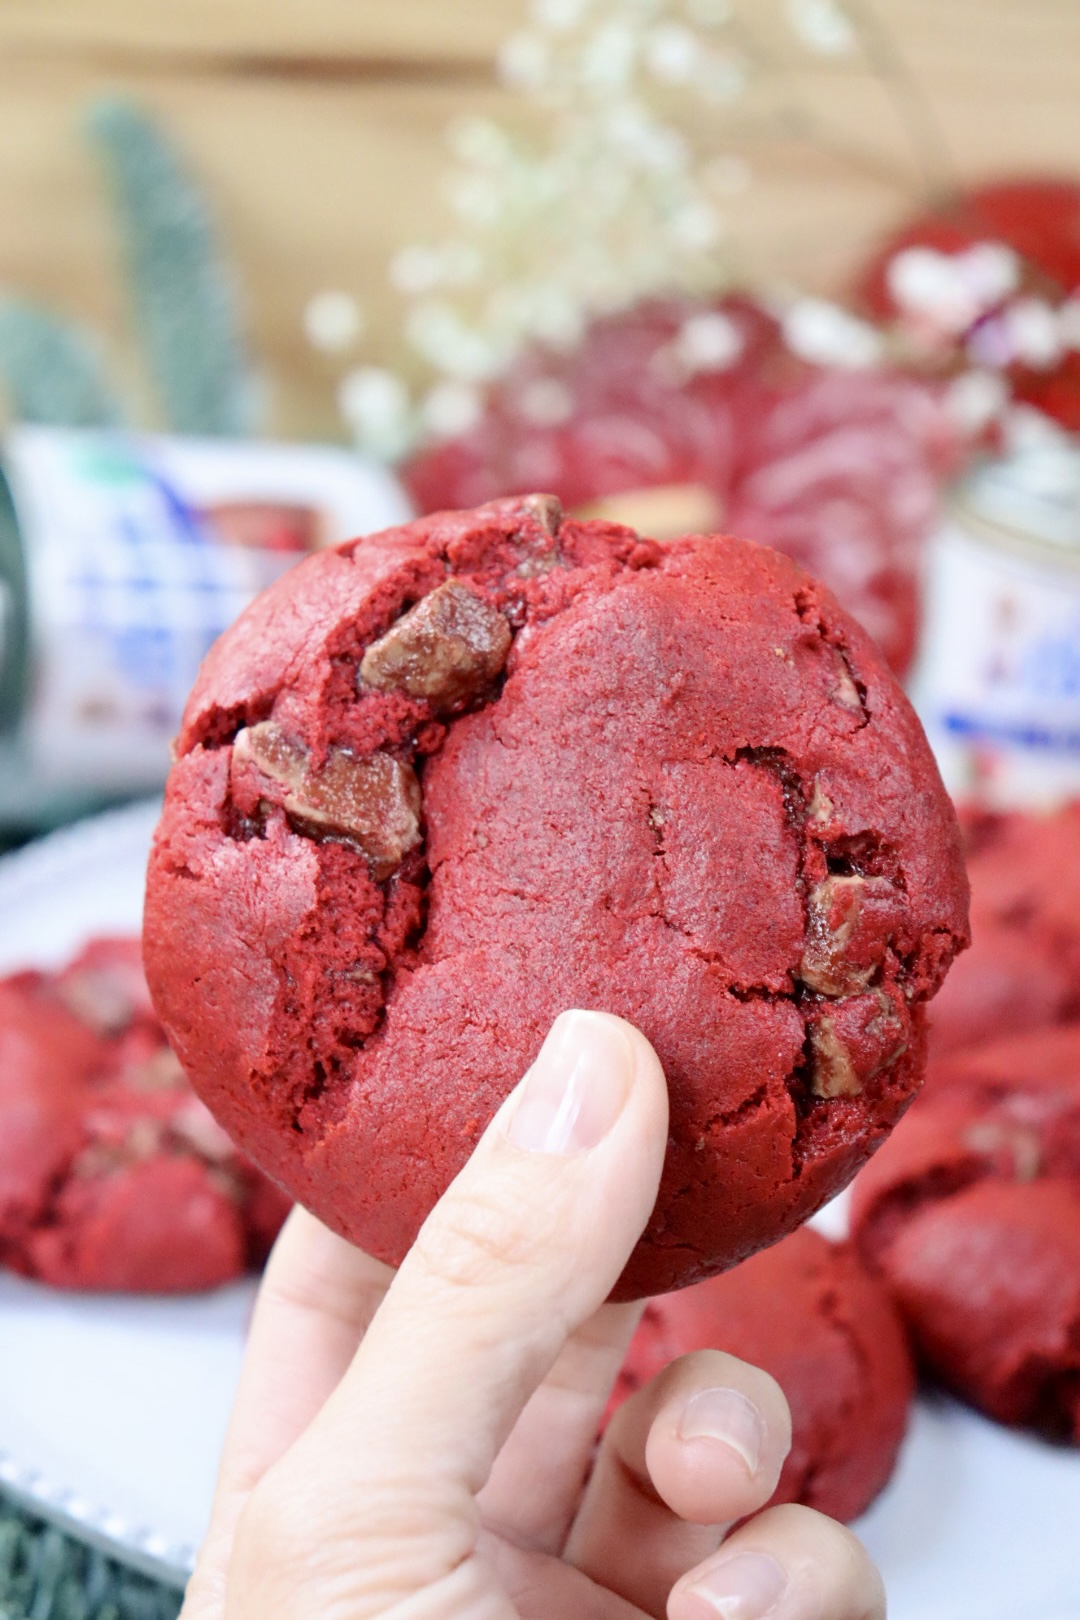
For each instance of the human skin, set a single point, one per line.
(420, 1444)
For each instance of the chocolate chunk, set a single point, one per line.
(883, 1025)
(1017, 1148)
(834, 1073)
(850, 923)
(845, 692)
(372, 801)
(820, 809)
(547, 511)
(447, 648)
(855, 1040)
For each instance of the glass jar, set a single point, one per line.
(997, 683)
(122, 559)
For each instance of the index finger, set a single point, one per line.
(316, 1299)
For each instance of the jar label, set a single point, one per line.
(139, 552)
(997, 683)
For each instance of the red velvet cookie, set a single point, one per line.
(809, 1313)
(1023, 969)
(436, 786)
(112, 1175)
(972, 1215)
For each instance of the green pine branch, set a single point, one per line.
(52, 371)
(184, 300)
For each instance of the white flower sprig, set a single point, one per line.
(608, 204)
(610, 201)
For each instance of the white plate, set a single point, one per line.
(112, 1410)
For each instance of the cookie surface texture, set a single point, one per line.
(440, 784)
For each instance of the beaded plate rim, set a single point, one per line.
(45, 862)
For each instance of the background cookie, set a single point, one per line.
(112, 1175)
(436, 786)
(1023, 968)
(1026, 233)
(809, 1313)
(972, 1215)
(699, 412)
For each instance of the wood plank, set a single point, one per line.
(318, 178)
(311, 191)
(260, 30)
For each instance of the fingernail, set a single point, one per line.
(725, 1415)
(746, 1587)
(575, 1091)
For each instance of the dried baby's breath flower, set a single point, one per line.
(609, 203)
(822, 25)
(603, 195)
(333, 320)
(375, 405)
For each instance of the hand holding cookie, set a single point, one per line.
(420, 1443)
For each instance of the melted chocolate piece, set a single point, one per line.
(851, 921)
(448, 649)
(374, 802)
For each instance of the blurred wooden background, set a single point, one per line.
(316, 126)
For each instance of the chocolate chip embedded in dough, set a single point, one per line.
(820, 809)
(447, 648)
(844, 691)
(851, 921)
(373, 800)
(854, 1040)
(547, 510)
(1019, 1146)
(832, 915)
(834, 1073)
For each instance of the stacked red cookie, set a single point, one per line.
(971, 1213)
(703, 412)
(112, 1175)
(436, 786)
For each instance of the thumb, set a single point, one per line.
(523, 1247)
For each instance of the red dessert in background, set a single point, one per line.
(1023, 969)
(696, 415)
(971, 1214)
(112, 1174)
(434, 787)
(956, 298)
(809, 1313)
